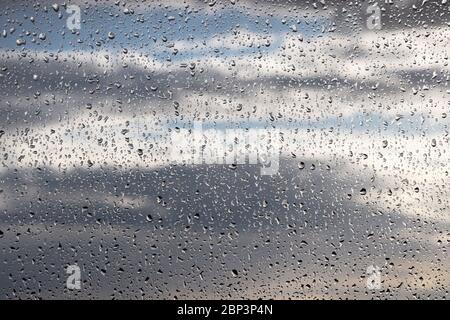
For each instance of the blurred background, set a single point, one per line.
(357, 91)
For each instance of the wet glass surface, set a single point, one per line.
(224, 149)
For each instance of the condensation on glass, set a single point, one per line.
(224, 149)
